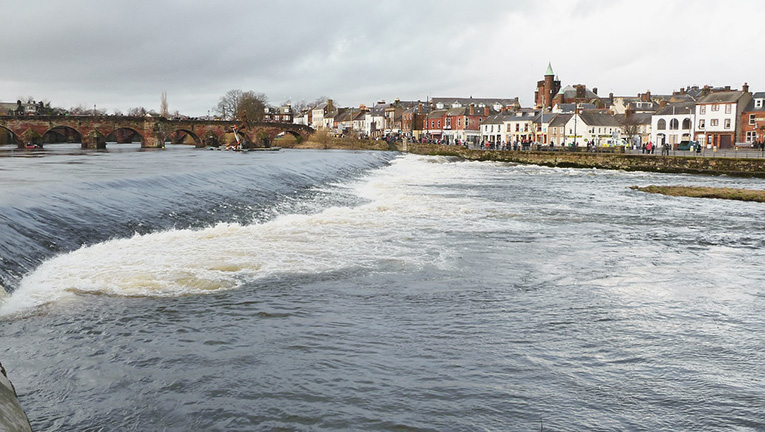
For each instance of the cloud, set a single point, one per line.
(123, 54)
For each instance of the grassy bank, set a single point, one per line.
(706, 192)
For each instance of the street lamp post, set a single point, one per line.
(575, 116)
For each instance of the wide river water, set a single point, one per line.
(196, 290)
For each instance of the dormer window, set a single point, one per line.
(758, 103)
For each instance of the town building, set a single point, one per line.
(520, 126)
(753, 120)
(282, 114)
(323, 115)
(673, 124)
(542, 127)
(491, 128)
(593, 127)
(556, 130)
(547, 88)
(718, 117)
(374, 121)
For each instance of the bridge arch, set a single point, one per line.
(62, 134)
(7, 136)
(124, 135)
(182, 135)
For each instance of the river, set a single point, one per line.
(186, 289)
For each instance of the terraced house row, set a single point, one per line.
(719, 117)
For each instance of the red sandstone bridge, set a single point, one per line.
(95, 131)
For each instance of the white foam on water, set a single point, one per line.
(390, 229)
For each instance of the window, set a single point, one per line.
(517, 127)
(758, 103)
(727, 123)
(662, 124)
(674, 124)
(686, 124)
(728, 108)
(714, 122)
(703, 109)
(439, 124)
(701, 123)
(751, 136)
(715, 107)
(751, 119)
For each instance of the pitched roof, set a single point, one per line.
(449, 101)
(569, 92)
(560, 120)
(678, 109)
(544, 118)
(498, 118)
(721, 97)
(599, 118)
(750, 106)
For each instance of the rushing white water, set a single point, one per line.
(387, 230)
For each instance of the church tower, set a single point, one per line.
(547, 89)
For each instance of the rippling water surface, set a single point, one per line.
(306, 290)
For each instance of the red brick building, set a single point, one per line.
(753, 120)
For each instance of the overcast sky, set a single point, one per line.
(123, 54)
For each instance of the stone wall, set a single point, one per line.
(12, 416)
(752, 167)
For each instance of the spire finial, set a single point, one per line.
(549, 70)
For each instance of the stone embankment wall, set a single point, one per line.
(12, 417)
(752, 167)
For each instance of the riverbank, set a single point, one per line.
(613, 161)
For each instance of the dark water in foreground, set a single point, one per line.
(308, 290)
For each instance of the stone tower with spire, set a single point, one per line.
(547, 89)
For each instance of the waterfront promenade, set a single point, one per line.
(743, 163)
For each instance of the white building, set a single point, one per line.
(718, 115)
(597, 127)
(673, 123)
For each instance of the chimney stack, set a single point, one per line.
(472, 109)
(745, 88)
(595, 90)
(486, 111)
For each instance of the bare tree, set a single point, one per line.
(228, 103)
(630, 126)
(136, 112)
(163, 111)
(247, 107)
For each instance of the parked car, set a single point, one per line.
(687, 145)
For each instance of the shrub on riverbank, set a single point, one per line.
(324, 140)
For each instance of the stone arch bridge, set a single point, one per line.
(95, 131)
